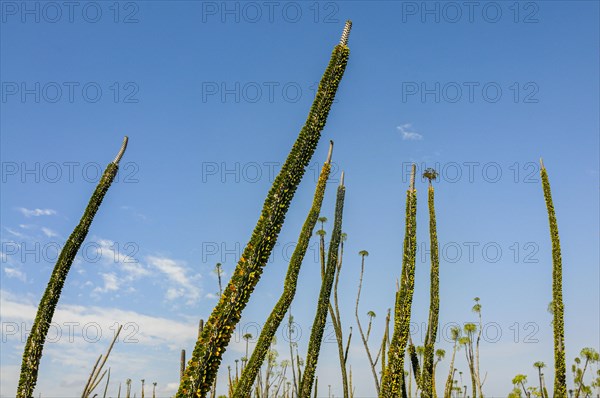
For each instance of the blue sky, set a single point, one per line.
(212, 97)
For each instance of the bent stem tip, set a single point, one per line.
(346, 33)
(330, 152)
(121, 151)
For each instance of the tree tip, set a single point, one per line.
(412, 177)
(330, 152)
(121, 151)
(346, 33)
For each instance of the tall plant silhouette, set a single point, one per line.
(206, 357)
(37, 337)
(558, 309)
(336, 320)
(259, 354)
(392, 381)
(316, 335)
(427, 380)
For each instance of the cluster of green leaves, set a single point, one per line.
(588, 356)
(206, 357)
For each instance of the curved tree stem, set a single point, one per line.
(244, 386)
(205, 359)
(316, 335)
(36, 339)
(560, 370)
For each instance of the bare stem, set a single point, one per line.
(330, 152)
(121, 151)
(346, 33)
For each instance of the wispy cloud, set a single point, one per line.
(113, 253)
(135, 213)
(15, 273)
(36, 212)
(177, 274)
(110, 283)
(408, 134)
(15, 233)
(80, 333)
(48, 232)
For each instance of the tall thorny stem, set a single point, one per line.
(560, 367)
(336, 320)
(282, 306)
(427, 380)
(32, 354)
(391, 385)
(206, 357)
(316, 335)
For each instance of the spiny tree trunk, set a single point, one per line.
(334, 310)
(386, 334)
(37, 337)
(316, 335)
(394, 374)
(434, 390)
(290, 326)
(206, 357)
(427, 380)
(414, 361)
(560, 369)
(244, 386)
(181, 365)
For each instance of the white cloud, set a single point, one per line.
(122, 268)
(407, 134)
(15, 273)
(177, 274)
(110, 283)
(113, 253)
(174, 293)
(36, 212)
(15, 233)
(72, 346)
(48, 232)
